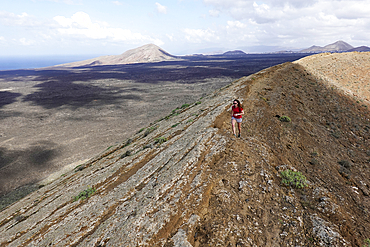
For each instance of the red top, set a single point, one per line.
(237, 110)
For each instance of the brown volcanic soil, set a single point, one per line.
(54, 117)
(348, 71)
(204, 187)
(328, 140)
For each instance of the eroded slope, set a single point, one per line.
(203, 187)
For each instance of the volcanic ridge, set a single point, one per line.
(185, 180)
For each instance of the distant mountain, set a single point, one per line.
(335, 47)
(144, 54)
(234, 53)
(361, 49)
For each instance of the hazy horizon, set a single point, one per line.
(38, 61)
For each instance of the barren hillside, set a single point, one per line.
(142, 54)
(347, 71)
(186, 180)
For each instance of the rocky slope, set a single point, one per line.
(52, 118)
(186, 181)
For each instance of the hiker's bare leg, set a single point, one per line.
(239, 128)
(233, 121)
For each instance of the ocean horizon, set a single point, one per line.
(34, 62)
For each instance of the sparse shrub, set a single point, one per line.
(285, 119)
(127, 153)
(345, 163)
(79, 168)
(185, 106)
(306, 204)
(345, 168)
(198, 103)
(173, 113)
(173, 126)
(141, 130)
(150, 130)
(367, 243)
(160, 140)
(264, 99)
(85, 194)
(128, 142)
(294, 179)
(314, 154)
(314, 161)
(191, 120)
(148, 146)
(336, 134)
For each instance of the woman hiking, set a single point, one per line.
(236, 115)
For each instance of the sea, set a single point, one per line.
(32, 62)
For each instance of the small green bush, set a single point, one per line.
(85, 194)
(185, 106)
(285, 119)
(173, 126)
(264, 99)
(367, 243)
(160, 140)
(294, 179)
(150, 130)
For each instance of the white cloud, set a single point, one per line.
(161, 9)
(11, 19)
(118, 3)
(235, 24)
(81, 25)
(69, 2)
(200, 35)
(170, 37)
(78, 20)
(2, 38)
(214, 13)
(295, 22)
(276, 10)
(26, 42)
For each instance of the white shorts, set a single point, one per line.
(239, 120)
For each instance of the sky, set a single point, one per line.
(180, 27)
